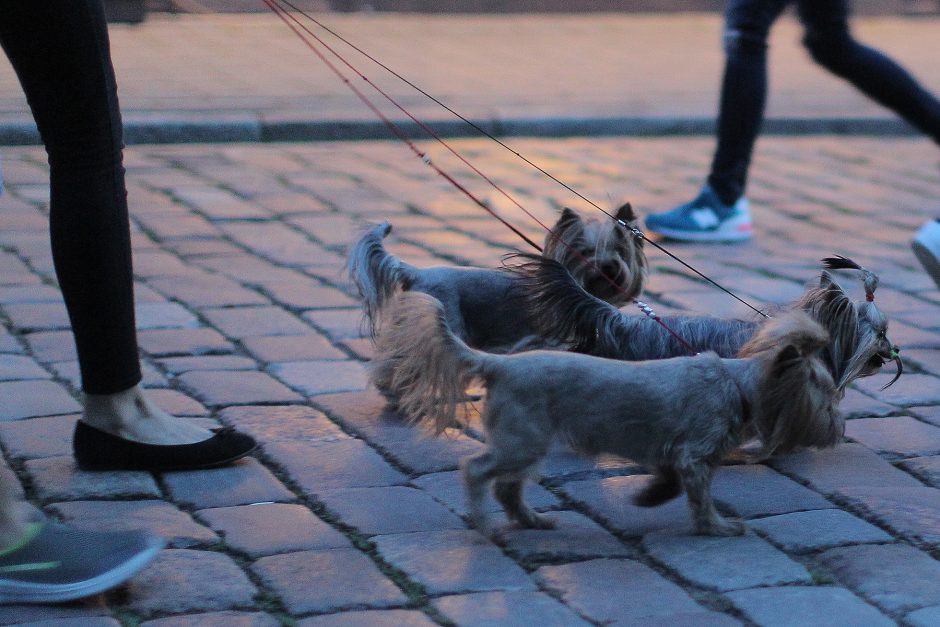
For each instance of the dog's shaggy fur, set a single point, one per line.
(560, 310)
(481, 304)
(677, 416)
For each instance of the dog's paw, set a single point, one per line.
(723, 528)
(535, 521)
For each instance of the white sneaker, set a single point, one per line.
(926, 245)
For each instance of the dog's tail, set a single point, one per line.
(376, 274)
(432, 367)
(798, 397)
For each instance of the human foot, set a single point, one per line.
(133, 416)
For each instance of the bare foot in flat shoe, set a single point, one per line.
(132, 416)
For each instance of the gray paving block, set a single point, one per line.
(724, 563)
(21, 367)
(574, 537)
(900, 436)
(641, 593)
(796, 606)
(703, 618)
(51, 346)
(925, 468)
(911, 389)
(267, 529)
(321, 377)
(181, 581)
(222, 387)
(412, 447)
(38, 437)
(179, 365)
(59, 478)
(911, 512)
(246, 481)
(508, 609)
(820, 529)
(171, 342)
(239, 322)
(320, 581)
(284, 348)
(611, 500)
(756, 490)
(370, 618)
(274, 423)
(69, 615)
(846, 465)
(216, 619)
(895, 577)
(175, 526)
(447, 487)
(319, 466)
(858, 405)
(926, 617)
(391, 509)
(453, 561)
(164, 316)
(29, 399)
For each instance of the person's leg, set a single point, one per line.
(743, 93)
(720, 212)
(831, 44)
(60, 52)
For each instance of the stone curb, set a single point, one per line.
(189, 128)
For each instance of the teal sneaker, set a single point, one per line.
(705, 219)
(54, 563)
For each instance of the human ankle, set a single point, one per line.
(131, 415)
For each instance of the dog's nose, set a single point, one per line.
(610, 270)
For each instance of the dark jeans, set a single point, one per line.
(60, 51)
(827, 37)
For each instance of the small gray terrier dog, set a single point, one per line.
(483, 306)
(677, 416)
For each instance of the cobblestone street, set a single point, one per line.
(349, 517)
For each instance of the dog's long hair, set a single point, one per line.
(602, 255)
(561, 311)
(434, 368)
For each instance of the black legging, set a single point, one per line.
(60, 51)
(827, 37)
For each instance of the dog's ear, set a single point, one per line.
(568, 217)
(625, 213)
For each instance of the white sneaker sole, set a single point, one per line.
(739, 233)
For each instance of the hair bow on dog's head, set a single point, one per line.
(869, 278)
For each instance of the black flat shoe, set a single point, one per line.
(98, 450)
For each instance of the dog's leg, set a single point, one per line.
(509, 495)
(477, 473)
(381, 376)
(697, 480)
(479, 470)
(664, 486)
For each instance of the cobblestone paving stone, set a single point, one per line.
(349, 516)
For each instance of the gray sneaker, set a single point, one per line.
(54, 563)
(926, 245)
